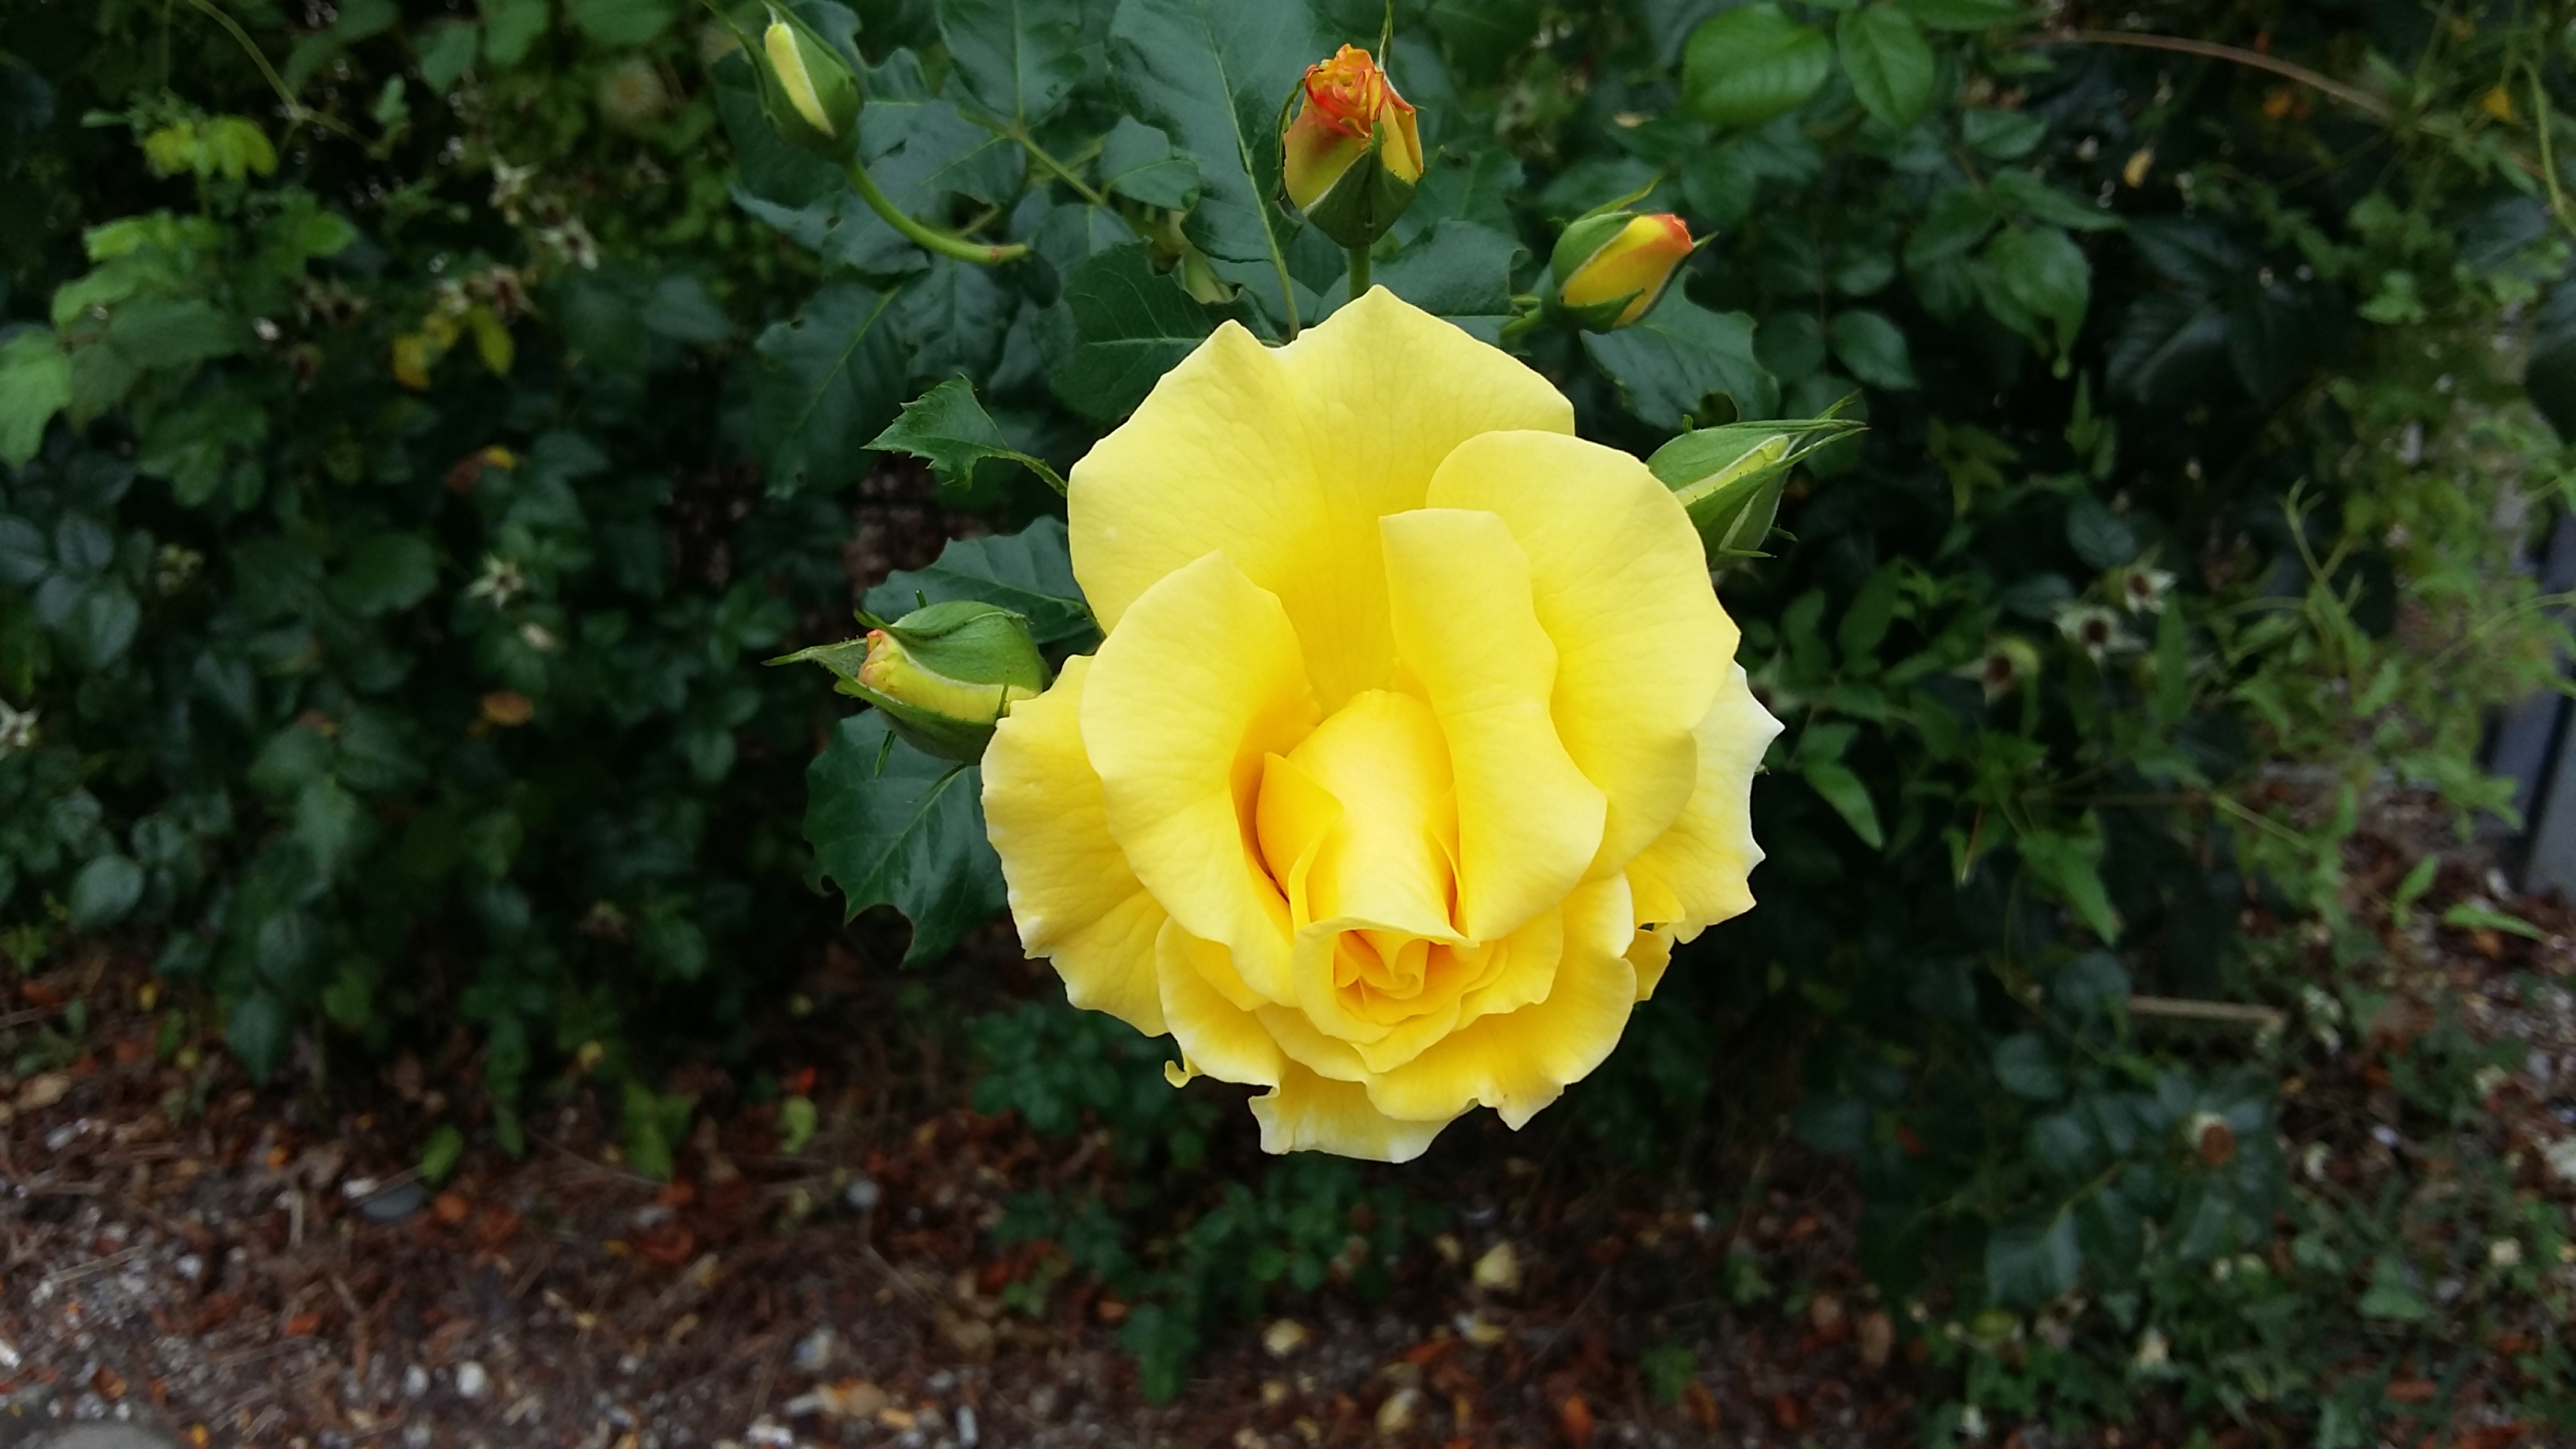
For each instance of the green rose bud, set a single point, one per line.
(807, 88)
(1729, 478)
(943, 676)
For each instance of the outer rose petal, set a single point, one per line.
(1529, 823)
(1186, 698)
(1306, 1112)
(1072, 894)
(1620, 582)
(1696, 874)
(1285, 458)
(1215, 1035)
(1519, 1062)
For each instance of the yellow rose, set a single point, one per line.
(1415, 743)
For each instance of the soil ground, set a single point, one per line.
(232, 1264)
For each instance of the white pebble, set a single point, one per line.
(471, 1380)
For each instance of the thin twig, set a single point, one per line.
(2228, 1013)
(2352, 96)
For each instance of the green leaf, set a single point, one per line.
(830, 379)
(2002, 135)
(1130, 325)
(386, 573)
(681, 308)
(1481, 36)
(439, 1154)
(2393, 1296)
(2042, 269)
(1669, 365)
(2070, 865)
(1890, 66)
(623, 22)
(1137, 161)
(2092, 987)
(2032, 1262)
(172, 333)
(257, 1028)
(1844, 791)
(331, 824)
(1752, 63)
(1213, 75)
(1017, 58)
(2099, 536)
(445, 52)
(893, 826)
(35, 384)
(920, 150)
(1458, 270)
(1029, 573)
(796, 1123)
(1873, 350)
(2062, 1145)
(948, 429)
(2472, 916)
(2549, 375)
(952, 321)
(104, 891)
(2027, 1069)
(1967, 14)
(2036, 199)
(1956, 221)
(96, 630)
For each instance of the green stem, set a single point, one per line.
(930, 238)
(1525, 323)
(1062, 172)
(1359, 272)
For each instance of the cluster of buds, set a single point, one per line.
(943, 675)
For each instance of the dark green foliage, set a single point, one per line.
(401, 480)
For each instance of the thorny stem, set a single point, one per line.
(930, 238)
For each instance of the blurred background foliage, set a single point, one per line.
(417, 420)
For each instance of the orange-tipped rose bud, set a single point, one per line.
(1351, 155)
(1611, 269)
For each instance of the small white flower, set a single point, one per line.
(2141, 589)
(539, 637)
(510, 186)
(17, 729)
(1972, 1423)
(2504, 1252)
(501, 582)
(2153, 1352)
(2093, 629)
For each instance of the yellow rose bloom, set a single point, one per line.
(1415, 742)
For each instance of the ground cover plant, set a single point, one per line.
(420, 423)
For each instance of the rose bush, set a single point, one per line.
(1415, 742)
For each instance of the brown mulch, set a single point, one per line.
(264, 1266)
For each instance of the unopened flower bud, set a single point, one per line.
(1729, 478)
(943, 675)
(808, 89)
(1351, 155)
(1610, 269)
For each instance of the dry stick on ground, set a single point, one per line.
(2224, 1013)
